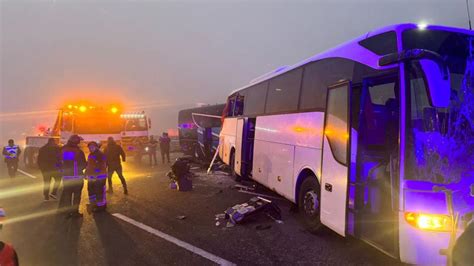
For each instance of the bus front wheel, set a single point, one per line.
(309, 204)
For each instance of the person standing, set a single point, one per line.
(11, 153)
(165, 147)
(153, 145)
(48, 163)
(115, 155)
(8, 256)
(73, 163)
(96, 173)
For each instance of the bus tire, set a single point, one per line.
(233, 174)
(309, 204)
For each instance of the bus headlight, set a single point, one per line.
(430, 222)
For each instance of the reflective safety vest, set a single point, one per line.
(12, 152)
(70, 157)
(96, 166)
(7, 256)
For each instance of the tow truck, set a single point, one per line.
(93, 123)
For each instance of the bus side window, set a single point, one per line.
(239, 105)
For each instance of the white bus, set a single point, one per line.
(373, 139)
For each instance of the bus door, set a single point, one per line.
(374, 185)
(244, 146)
(334, 177)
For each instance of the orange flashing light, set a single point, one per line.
(430, 222)
(114, 110)
(82, 108)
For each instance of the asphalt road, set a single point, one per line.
(153, 234)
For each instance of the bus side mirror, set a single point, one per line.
(438, 82)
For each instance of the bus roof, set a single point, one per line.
(352, 50)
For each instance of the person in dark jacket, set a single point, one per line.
(48, 163)
(165, 147)
(115, 156)
(463, 249)
(73, 163)
(96, 173)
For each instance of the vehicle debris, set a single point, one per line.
(240, 213)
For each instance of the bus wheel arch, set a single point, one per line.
(308, 200)
(233, 174)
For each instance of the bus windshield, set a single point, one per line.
(440, 141)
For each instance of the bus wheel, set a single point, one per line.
(309, 204)
(233, 174)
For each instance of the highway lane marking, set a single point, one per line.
(174, 240)
(27, 174)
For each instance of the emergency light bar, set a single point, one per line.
(132, 116)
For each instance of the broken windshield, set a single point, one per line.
(440, 141)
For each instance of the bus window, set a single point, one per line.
(255, 99)
(284, 92)
(239, 104)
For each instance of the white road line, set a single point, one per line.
(175, 241)
(27, 174)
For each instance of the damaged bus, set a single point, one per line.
(373, 139)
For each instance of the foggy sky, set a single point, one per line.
(168, 55)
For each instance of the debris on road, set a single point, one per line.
(245, 188)
(181, 217)
(240, 213)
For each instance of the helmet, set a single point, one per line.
(93, 143)
(75, 139)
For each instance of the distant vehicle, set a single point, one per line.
(198, 130)
(92, 123)
(135, 133)
(373, 138)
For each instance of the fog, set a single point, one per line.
(163, 56)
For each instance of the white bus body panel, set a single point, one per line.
(333, 203)
(307, 158)
(284, 145)
(421, 247)
(227, 139)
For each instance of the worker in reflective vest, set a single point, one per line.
(73, 163)
(8, 256)
(11, 154)
(96, 173)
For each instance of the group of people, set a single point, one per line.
(164, 143)
(69, 164)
